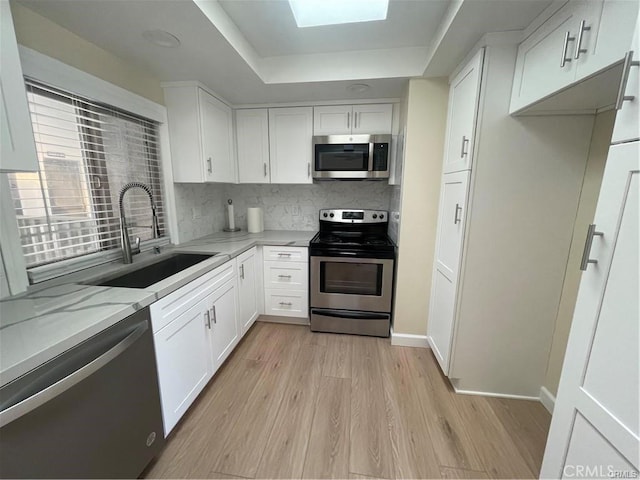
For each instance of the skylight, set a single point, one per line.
(313, 13)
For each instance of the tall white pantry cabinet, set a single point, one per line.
(509, 195)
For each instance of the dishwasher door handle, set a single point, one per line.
(29, 404)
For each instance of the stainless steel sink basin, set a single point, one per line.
(145, 276)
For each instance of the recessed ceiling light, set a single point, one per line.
(313, 13)
(161, 38)
(358, 87)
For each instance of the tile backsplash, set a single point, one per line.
(201, 208)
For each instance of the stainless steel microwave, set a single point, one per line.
(351, 157)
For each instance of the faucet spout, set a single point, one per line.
(125, 241)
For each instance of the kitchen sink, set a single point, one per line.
(146, 276)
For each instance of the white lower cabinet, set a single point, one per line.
(195, 328)
(184, 362)
(222, 324)
(248, 289)
(286, 281)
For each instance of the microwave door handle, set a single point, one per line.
(370, 167)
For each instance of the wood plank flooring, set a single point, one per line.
(289, 403)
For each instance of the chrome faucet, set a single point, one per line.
(125, 242)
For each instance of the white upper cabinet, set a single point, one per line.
(217, 139)
(464, 94)
(201, 131)
(580, 39)
(332, 120)
(18, 145)
(627, 125)
(356, 119)
(252, 132)
(290, 135)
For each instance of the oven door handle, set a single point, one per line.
(355, 315)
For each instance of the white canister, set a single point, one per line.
(255, 220)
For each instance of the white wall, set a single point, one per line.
(426, 110)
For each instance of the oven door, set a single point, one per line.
(363, 284)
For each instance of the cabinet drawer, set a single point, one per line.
(288, 275)
(289, 303)
(174, 304)
(286, 254)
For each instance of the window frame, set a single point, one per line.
(55, 73)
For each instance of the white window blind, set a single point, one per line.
(87, 152)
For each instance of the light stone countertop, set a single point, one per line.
(54, 316)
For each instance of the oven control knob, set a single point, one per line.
(331, 215)
(324, 214)
(381, 216)
(375, 216)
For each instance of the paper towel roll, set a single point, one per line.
(255, 220)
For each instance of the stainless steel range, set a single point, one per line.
(351, 272)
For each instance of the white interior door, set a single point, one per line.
(595, 425)
(449, 236)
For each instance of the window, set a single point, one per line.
(87, 153)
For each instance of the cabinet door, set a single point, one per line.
(217, 139)
(332, 120)
(290, 135)
(223, 313)
(539, 71)
(604, 34)
(252, 132)
(372, 119)
(449, 236)
(627, 125)
(18, 145)
(247, 290)
(184, 362)
(596, 418)
(464, 94)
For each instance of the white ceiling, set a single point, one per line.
(249, 51)
(271, 29)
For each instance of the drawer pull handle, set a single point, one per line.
(591, 232)
(567, 39)
(281, 254)
(628, 63)
(286, 304)
(579, 49)
(284, 276)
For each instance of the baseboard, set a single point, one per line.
(493, 394)
(280, 319)
(547, 399)
(408, 340)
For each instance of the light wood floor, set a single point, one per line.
(290, 403)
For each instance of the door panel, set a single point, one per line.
(290, 137)
(217, 140)
(441, 318)
(332, 120)
(464, 94)
(600, 374)
(252, 130)
(247, 292)
(372, 119)
(224, 327)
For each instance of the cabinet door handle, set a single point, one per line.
(628, 63)
(457, 220)
(213, 314)
(308, 169)
(207, 318)
(348, 120)
(591, 232)
(242, 271)
(579, 49)
(284, 276)
(355, 120)
(567, 39)
(209, 165)
(286, 304)
(463, 150)
(264, 166)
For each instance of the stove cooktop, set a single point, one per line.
(338, 239)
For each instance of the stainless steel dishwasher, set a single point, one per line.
(92, 412)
